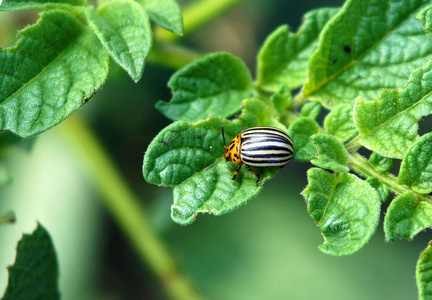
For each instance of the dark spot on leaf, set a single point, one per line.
(194, 83)
(165, 143)
(347, 49)
(175, 131)
(334, 61)
(198, 137)
(358, 75)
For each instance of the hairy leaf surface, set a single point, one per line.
(124, 30)
(300, 132)
(369, 45)
(56, 66)
(165, 13)
(407, 216)
(284, 55)
(41, 4)
(346, 209)
(213, 85)
(424, 273)
(331, 153)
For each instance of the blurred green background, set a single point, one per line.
(264, 250)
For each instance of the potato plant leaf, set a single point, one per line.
(56, 66)
(213, 85)
(424, 273)
(382, 164)
(311, 109)
(382, 189)
(34, 274)
(283, 57)
(165, 13)
(123, 28)
(300, 132)
(369, 45)
(331, 153)
(41, 4)
(416, 167)
(345, 207)
(339, 122)
(388, 125)
(179, 154)
(282, 99)
(406, 216)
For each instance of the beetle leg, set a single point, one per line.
(236, 171)
(256, 173)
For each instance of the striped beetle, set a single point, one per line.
(258, 147)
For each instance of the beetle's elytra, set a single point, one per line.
(260, 147)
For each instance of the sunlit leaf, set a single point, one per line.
(311, 109)
(300, 132)
(55, 68)
(165, 13)
(124, 30)
(381, 163)
(424, 273)
(41, 4)
(346, 209)
(407, 216)
(367, 46)
(339, 122)
(283, 57)
(331, 153)
(213, 85)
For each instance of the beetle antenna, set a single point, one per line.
(211, 166)
(223, 136)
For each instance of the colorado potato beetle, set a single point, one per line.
(260, 147)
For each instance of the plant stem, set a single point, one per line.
(125, 207)
(195, 15)
(365, 168)
(172, 56)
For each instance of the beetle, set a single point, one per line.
(260, 147)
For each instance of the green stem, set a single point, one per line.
(125, 207)
(298, 100)
(365, 168)
(9, 217)
(195, 15)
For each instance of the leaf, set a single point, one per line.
(300, 132)
(388, 125)
(382, 164)
(311, 109)
(55, 68)
(339, 122)
(367, 46)
(282, 99)
(331, 153)
(213, 85)
(283, 57)
(381, 189)
(425, 16)
(416, 167)
(165, 13)
(124, 30)
(34, 274)
(179, 154)
(41, 4)
(424, 273)
(406, 216)
(346, 209)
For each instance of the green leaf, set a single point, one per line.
(382, 189)
(124, 30)
(34, 274)
(55, 68)
(339, 122)
(213, 85)
(382, 164)
(331, 153)
(283, 57)
(424, 273)
(406, 216)
(300, 132)
(165, 13)
(425, 16)
(311, 109)
(346, 209)
(357, 53)
(388, 125)
(41, 4)
(416, 167)
(179, 154)
(282, 99)
(9, 217)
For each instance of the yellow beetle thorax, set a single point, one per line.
(232, 151)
